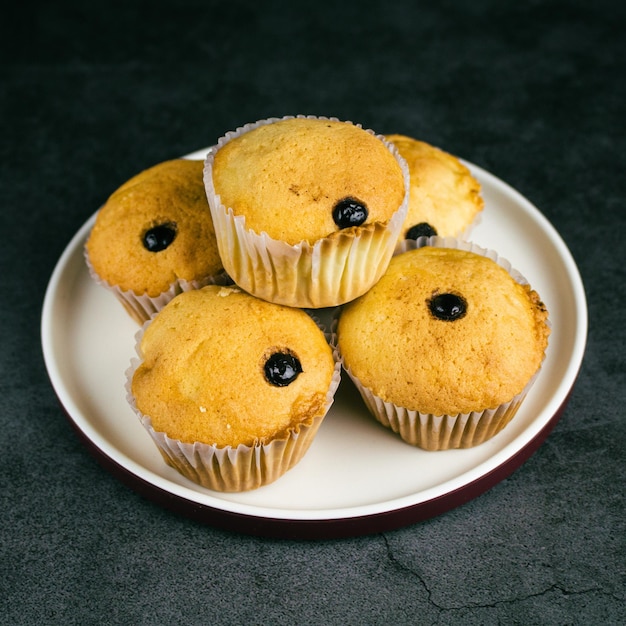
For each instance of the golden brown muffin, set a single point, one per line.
(445, 198)
(222, 368)
(445, 332)
(286, 178)
(153, 233)
(306, 210)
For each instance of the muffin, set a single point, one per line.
(444, 198)
(307, 210)
(154, 238)
(232, 388)
(446, 345)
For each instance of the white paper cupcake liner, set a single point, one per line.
(142, 307)
(331, 271)
(228, 468)
(442, 432)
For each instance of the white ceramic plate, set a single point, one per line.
(357, 476)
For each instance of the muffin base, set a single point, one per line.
(441, 432)
(234, 469)
(329, 272)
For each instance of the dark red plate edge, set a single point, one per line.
(281, 528)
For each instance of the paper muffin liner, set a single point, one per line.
(228, 468)
(332, 271)
(441, 432)
(142, 307)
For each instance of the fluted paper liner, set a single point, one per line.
(441, 432)
(332, 271)
(142, 307)
(228, 468)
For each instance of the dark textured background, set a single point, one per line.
(91, 93)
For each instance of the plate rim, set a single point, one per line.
(316, 523)
(308, 528)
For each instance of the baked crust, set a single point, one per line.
(394, 345)
(286, 177)
(443, 192)
(169, 192)
(202, 373)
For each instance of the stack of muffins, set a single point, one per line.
(224, 262)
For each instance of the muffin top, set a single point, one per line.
(155, 229)
(222, 367)
(303, 179)
(444, 331)
(443, 194)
